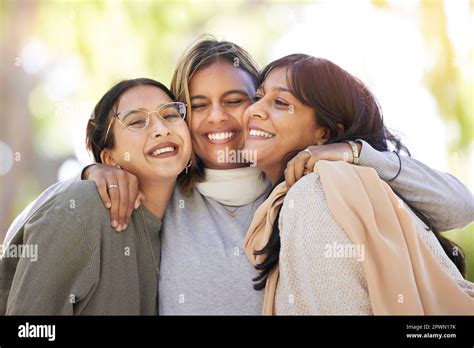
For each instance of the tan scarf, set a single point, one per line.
(397, 261)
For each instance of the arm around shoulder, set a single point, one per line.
(441, 196)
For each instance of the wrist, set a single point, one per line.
(355, 151)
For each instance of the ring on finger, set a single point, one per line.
(112, 186)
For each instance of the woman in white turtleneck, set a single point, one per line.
(203, 267)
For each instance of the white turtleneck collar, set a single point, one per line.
(234, 187)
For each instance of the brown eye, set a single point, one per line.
(171, 117)
(138, 123)
(197, 106)
(233, 102)
(280, 102)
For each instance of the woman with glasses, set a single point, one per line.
(82, 267)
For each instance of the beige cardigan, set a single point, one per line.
(402, 269)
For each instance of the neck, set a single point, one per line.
(272, 173)
(157, 194)
(224, 166)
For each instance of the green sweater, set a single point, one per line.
(83, 266)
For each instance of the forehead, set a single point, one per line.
(219, 77)
(276, 78)
(145, 97)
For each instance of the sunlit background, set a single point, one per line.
(59, 57)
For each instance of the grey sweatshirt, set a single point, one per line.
(204, 270)
(81, 265)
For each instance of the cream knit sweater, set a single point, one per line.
(321, 271)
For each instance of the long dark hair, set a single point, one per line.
(99, 133)
(338, 98)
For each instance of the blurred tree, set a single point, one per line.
(15, 124)
(453, 90)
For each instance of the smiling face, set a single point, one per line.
(278, 124)
(220, 93)
(157, 151)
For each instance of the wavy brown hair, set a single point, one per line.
(338, 98)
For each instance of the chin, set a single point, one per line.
(169, 172)
(254, 146)
(215, 149)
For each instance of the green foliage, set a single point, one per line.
(465, 239)
(452, 87)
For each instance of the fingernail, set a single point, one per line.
(114, 223)
(124, 227)
(118, 229)
(137, 204)
(108, 205)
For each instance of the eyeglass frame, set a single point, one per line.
(148, 116)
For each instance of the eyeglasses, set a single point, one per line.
(138, 120)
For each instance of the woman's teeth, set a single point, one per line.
(259, 133)
(162, 150)
(220, 136)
